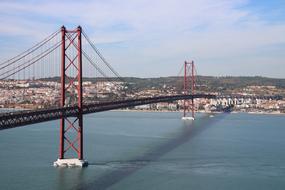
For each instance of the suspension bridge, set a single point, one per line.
(72, 56)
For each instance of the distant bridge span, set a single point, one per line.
(21, 118)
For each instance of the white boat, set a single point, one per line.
(188, 118)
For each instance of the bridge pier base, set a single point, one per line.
(70, 162)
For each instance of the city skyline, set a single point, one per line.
(152, 39)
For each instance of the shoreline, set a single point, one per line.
(3, 110)
(168, 111)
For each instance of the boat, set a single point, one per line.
(188, 118)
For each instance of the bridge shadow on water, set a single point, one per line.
(131, 166)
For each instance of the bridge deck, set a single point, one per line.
(21, 118)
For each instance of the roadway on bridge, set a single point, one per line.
(21, 118)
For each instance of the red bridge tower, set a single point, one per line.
(71, 128)
(189, 88)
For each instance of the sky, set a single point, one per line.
(152, 38)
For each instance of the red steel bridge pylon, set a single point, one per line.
(189, 85)
(71, 128)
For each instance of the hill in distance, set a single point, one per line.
(210, 83)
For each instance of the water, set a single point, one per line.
(134, 150)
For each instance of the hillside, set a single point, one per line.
(208, 83)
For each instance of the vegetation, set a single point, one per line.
(208, 83)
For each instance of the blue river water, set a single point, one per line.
(145, 150)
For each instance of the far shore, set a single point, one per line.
(174, 111)
(258, 113)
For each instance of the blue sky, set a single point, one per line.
(147, 38)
